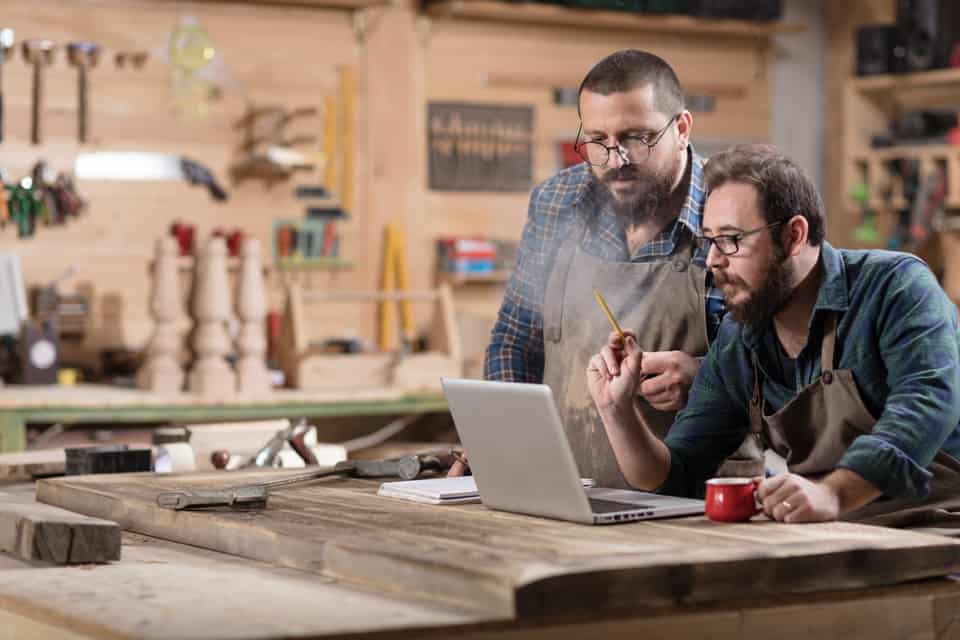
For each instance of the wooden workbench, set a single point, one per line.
(20, 405)
(343, 562)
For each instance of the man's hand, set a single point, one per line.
(792, 498)
(460, 466)
(613, 374)
(669, 375)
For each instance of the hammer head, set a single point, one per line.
(83, 54)
(6, 43)
(39, 51)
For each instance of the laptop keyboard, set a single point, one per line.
(611, 506)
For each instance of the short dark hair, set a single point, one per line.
(783, 188)
(624, 70)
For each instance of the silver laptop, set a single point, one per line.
(522, 461)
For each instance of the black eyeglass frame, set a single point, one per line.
(578, 146)
(735, 238)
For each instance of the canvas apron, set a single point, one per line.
(815, 428)
(662, 302)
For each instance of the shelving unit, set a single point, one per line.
(547, 15)
(870, 103)
(312, 264)
(459, 279)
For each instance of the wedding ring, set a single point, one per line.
(787, 505)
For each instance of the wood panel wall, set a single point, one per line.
(462, 62)
(289, 55)
(267, 55)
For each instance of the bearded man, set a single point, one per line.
(623, 222)
(845, 363)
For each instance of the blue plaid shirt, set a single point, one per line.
(515, 353)
(899, 335)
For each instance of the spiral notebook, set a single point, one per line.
(461, 490)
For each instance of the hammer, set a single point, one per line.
(6, 50)
(39, 53)
(83, 56)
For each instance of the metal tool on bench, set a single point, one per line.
(254, 496)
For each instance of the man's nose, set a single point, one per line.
(618, 157)
(714, 257)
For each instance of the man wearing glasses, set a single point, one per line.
(845, 363)
(622, 222)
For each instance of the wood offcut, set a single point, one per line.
(41, 533)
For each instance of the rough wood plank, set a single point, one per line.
(41, 533)
(25, 465)
(511, 564)
(134, 598)
(162, 590)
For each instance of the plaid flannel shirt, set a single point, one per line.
(515, 353)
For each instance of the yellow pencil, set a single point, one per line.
(606, 310)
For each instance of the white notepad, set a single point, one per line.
(460, 490)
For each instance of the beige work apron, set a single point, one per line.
(662, 302)
(817, 426)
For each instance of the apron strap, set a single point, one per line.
(557, 281)
(756, 401)
(827, 362)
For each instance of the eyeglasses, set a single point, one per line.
(632, 148)
(729, 244)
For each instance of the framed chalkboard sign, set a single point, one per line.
(479, 147)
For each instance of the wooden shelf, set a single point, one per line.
(457, 279)
(938, 88)
(494, 11)
(918, 151)
(313, 264)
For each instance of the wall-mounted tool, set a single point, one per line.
(266, 150)
(39, 53)
(137, 59)
(144, 165)
(254, 496)
(6, 50)
(82, 55)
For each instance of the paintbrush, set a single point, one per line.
(606, 310)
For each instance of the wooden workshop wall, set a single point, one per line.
(520, 65)
(272, 55)
(288, 56)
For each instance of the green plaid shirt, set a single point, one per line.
(515, 353)
(898, 334)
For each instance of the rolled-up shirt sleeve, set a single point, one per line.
(917, 330)
(713, 424)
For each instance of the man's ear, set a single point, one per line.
(795, 235)
(684, 127)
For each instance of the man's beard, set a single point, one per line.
(649, 190)
(765, 302)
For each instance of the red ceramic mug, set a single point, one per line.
(732, 499)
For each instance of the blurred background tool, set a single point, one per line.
(145, 165)
(395, 280)
(83, 56)
(39, 53)
(6, 50)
